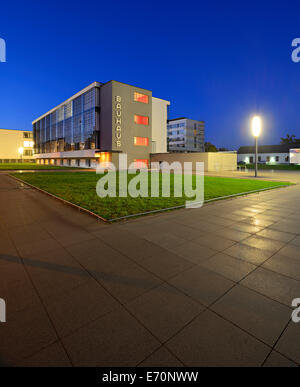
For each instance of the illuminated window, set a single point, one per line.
(141, 120)
(140, 163)
(143, 141)
(138, 97)
(28, 144)
(105, 157)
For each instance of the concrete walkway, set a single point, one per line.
(202, 287)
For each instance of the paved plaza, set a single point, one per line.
(195, 287)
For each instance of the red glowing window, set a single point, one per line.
(138, 97)
(141, 120)
(143, 141)
(140, 163)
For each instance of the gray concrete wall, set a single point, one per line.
(124, 107)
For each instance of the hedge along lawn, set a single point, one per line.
(80, 188)
(284, 167)
(29, 166)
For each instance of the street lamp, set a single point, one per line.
(21, 150)
(256, 129)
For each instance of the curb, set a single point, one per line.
(141, 213)
(61, 200)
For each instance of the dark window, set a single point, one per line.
(259, 158)
(268, 159)
(251, 159)
(277, 158)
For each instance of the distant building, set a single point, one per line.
(98, 123)
(185, 135)
(273, 154)
(16, 146)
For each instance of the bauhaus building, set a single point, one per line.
(98, 123)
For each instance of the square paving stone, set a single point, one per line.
(98, 257)
(185, 232)
(289, 342)
(54, 272)
(164, 263)
(256, 314)
(285, 226)
(291, 251)
(221, 221)
(248, 253)
(22, 234)
(164, 239)
(78, 306)
(263, 243)
(52, 356)
(273, 285)
(244, 227)
(193, 252)
(214, 242)
(25, 333)
(296, 241)
(129, 283)
(204, 226)
(16, 288)
(231, 268)
(115, 340)
(31, 249)
(212, 341)
(161, 358)
(201, 284)
(277, 360)
(276, 235)
(287, 266)
(233, 235)
(164, 310)
(258, 221)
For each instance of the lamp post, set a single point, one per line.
(20, 150)
(256, 129)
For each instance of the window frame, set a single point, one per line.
(135, 119)
(142, 95)
(137, 138)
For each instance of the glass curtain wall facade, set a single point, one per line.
(70, 127)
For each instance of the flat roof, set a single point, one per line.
(17, 130)
(184, 118)
(281, 148)
(176, 119)
(94, 84)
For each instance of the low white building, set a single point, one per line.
(267, 154)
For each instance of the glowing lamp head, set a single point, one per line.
(256, 126)
(20, 150)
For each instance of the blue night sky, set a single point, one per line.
(219, 61)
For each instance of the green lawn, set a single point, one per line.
(80, 188)
(27, 166)
(284, 167)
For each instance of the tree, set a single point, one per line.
(223, 149)
(209, 147)
(288, 139)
